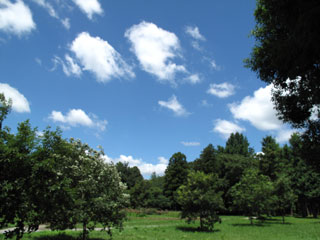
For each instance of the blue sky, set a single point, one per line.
(144, 79)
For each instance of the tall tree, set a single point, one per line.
(237, 143)
(175, 175)
(207, 162)
(5, 108)
(287, 54)
(270, 160)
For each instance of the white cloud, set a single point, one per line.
(77, 117)
(205, 103)
(258, 110)
(145, 168)
(66, 23)
(69, 66)
(222, 90)
(175, 106)
(284, 135)
(100, 58)
(19, 103)
(190, 144)
(214, 65)
(47, 6)
(155, 48)
(89, 7)
(225, 128)
(193, 79)
(16, 17)
(195, 33)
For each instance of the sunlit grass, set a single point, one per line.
(169, 226)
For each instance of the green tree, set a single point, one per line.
(175, 175)
(287, 54)
(17, 162)
(270, 160)
(253, 194)
(129, 175)
(207, 162)
(5, 108)
(237, 143)
(200, 197)
(284, 195)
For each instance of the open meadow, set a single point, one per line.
(169, 226)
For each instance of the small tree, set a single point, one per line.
(200, 197)
(285, 197)
(253, 194)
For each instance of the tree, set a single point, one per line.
(5, 108)
(284, 195)
(207, 162)
(253, 194)
(200, 197)
(238, 144)
(129, 175)
(270, 160)
(175, 175)
(287, 54)
(17, 161)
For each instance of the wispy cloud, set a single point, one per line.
(222, 90)
(190, 144)
(89, 7)
(174, 105)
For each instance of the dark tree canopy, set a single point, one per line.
(175, 175)
(287, 54)
(237, 143)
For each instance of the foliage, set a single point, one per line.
(287, 54)
(207, 162)
(270, 160)
(200, 197)
(5, 108)
(253, 194)
(175, 175)
(237, 143)
(129, 175)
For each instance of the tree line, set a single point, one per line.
(232, 180)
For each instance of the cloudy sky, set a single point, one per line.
(144, 79)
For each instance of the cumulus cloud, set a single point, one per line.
(194, 33)
(19, 103)
(190, 144)
(77, 117)
(155, 48)
(222, 90)
(99, 57)
(258, 110)
(174, 106)
(89, 7)
(145, 168)
(283, 135)
(225, 128)
(16, 18)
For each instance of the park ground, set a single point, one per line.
(168, 225)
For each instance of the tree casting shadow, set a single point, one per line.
(62, 236)
(195, 229)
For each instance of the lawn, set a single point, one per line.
(169, 226)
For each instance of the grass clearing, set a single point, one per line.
(169, 226)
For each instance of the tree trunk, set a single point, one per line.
(282, 218)
(251, 220)
(201, 223)
(84, 233)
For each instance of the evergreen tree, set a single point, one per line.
(175, 175)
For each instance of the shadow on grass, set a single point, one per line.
(249, 225)
(195, 229)
(62, 236)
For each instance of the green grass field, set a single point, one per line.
(169, 226)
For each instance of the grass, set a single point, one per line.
(169, 226)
